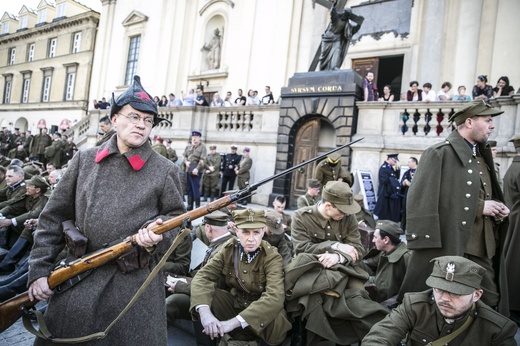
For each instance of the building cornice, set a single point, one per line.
(50, 27)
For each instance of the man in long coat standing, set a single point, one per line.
(111, 192)
(455, 206)
(388, 206)
(512, 198)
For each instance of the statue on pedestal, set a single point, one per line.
(336, 39)
(213, 48)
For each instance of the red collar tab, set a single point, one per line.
(101, 154)
(136, 162)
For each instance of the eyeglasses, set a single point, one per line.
(135, 119)
(450, 294)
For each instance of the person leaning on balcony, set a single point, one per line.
(461, 96)
(482, 90)
(444, 94)
(414, 94)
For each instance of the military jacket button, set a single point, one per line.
(480, 173)
(485, 184)
(469, 183)
(328, 234)
(245, 271)
(469, 161)
(463, 223)
(414, 236)
(427, 236)
(243, 280)
(468, 195)
(261, 325)
(315, 235)
(466, 208)
(470, 171)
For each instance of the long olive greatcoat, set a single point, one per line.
(512, 197)
(109, 196)
(419, 315)
(442, 205)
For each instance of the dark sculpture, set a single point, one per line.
(336, 39)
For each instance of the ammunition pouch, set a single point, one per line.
(133, 259)
(75, 240)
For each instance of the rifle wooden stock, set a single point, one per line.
(12, 309)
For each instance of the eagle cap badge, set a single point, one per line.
(450, 271)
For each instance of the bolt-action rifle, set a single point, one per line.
(11, 310)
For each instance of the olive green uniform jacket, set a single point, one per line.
(160, 149)
(512, 197)
(306, 201)
(325, 173)
(243, 173)
(345, 316)
(442, 206)
(389, 270)
(10, 196)
(419, 316)
(179, 260)
(53, 153)
(262, 277)
(213, 160)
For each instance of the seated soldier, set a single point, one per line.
(17, 214)
(15, 186)
(279, 204)
(179, 261)
(387, 262)
(251, 305)
(324, 282)
(365, 218)
(178, 303)
(450, 313)
(312, 196)
(275, 235)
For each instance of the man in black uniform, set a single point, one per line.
(231, 161)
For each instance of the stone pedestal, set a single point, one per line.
(326, 96)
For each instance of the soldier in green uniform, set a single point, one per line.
(450, 313)
(172, 154)
(324, 282)
(455, 206)
(194, 156)
(15, 189)
(38, 145)
(243, 171)
(159, 147)
(365, 218)
(388, 261)
(178, 303)
(53, 151)
(512, 241)
(275, 236)
(211, 173)
(312, 196)
(251, 306)
(331, 169)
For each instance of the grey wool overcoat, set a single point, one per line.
(109, 196)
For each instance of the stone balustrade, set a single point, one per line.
(404, 127)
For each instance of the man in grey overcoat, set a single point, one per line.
(110, 192)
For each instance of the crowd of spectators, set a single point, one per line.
(480, 91)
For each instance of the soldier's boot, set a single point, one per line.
(201, 338)
(16, 287)
(190, 203)
(14, 255)
(197, 202)
(22, 269)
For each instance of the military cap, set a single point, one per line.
(247, 149)
(339, 194)
(515, 140)
(334, 157)
(196, 133)
(169, 141)
(38, 163)
(273, 220)
(389, 227)
(38, 181)
(16, 162)
(359, 198)
(57, 134)
(160, 140)
(17, 129)
(456, 275)
(139, 99)
(216, 218)
(394, 157)
(313, 183)
(233, 146)
(30, 170)
(212, 147)
(249, 218)
(492, 144)
(472, 109)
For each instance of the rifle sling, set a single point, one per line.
(44, 331)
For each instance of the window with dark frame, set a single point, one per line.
(133, 56)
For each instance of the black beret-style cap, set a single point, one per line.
(139, 99)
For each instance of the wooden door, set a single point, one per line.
(362, 66)
(306, 146)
